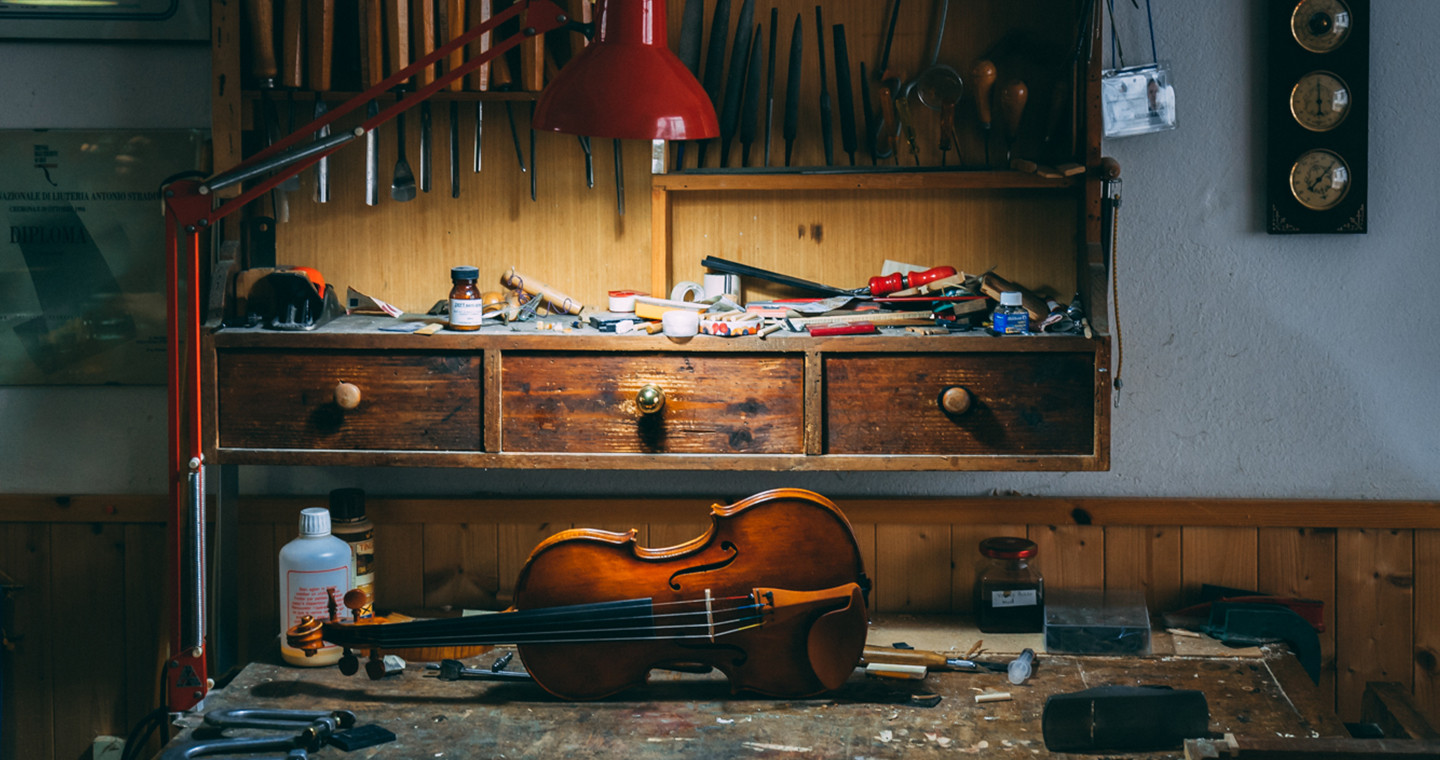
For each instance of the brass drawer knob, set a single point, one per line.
(955, 400)
(650, 399)
(347, 395)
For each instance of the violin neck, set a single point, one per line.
(623, 620)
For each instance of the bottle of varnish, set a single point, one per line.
(349, 524)
(315, 573)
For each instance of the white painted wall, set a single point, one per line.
(1254, 366)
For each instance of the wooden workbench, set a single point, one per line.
(685, 715)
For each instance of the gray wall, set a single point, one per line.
(1254, 366)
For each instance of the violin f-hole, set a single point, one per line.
(725, 546)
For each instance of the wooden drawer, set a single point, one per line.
(283, 399)
(1040, 403)
(714, 403)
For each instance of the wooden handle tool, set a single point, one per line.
(292, 47)
(260, 15)
(397, 33)
(320, 42)
(422, 31)
(454, 27)
(1012, 106)
(479, 79)
(534, 287)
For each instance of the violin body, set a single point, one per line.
(787, 539)
(772, 595)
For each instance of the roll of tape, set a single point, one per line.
(623, 301)
(680, 323)
(687, 288)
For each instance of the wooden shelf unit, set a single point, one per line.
(826, 224)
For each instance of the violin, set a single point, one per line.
(773, 595)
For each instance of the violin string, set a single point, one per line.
(571, 635)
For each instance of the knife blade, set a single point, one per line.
(827, 129)
(792, 90)
(479, 123)
(735, 82)
(322, 167)
(715, 64)
(372, 157)
(846, 93)
(865, 106)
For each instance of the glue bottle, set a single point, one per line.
(1010, 317)
(315, 573)
(349, 524)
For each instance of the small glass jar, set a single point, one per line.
(466, 305)
(1010, 317)
(1009, 594)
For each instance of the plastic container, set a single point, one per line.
(315, 573)
(1096, 621)
(467, 308)
(1009, 593)
(349, 524)
(1010, 317)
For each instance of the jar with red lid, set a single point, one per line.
(1009, 593)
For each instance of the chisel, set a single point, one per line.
(827, 131)
(792, 91)
(715, 64)
(735, 82)
(770, 81)
(870, 125)
(847, 93)
(322, 167)
(372, 157)
(619, 181)
(750, 113)
(533, 173)
(589, 161)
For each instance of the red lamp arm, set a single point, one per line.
(189, 208)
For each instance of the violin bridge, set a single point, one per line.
(710, 614)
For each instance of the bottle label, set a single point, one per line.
(1014, 598)
(1010, 324)
(315, 592)
(467, 312)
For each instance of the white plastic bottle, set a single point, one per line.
(316, 569)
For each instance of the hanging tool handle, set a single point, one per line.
(891, 283)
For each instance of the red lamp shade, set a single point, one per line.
(627, 84)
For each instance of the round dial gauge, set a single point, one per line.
(1319, 179)
(1320, 25)
(1320, 101)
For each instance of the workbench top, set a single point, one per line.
(687, 715)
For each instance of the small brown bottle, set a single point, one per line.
(466, 306)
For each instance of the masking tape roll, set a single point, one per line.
(687, 288)
(680, 323)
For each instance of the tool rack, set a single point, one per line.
(501, 398)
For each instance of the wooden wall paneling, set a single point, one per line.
(147, 613)
(1427, 624)
(462, 567)
(516, 541)
(865, 539)
(966, 563)
(28, 728)
(1070, 556)
(1374, 590)
(1301, 562)
(258, 587)
(911, 568)
(1148, 558)
(399, 565)
(1220, 556)
(87, 570)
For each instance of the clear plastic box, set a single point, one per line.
(1096, 621)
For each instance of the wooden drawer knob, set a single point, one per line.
(347, 395)
(650, 399)
(955, 400)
